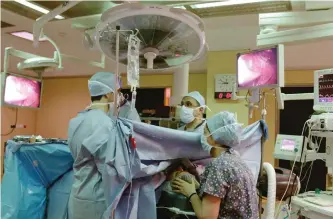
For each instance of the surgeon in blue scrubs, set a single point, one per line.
(88, 137)
(193, 107)
(192, 110)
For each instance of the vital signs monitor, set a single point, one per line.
(323, 90)
(288, 147)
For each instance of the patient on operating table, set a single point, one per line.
(183, 169)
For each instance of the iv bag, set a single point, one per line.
(133, 68)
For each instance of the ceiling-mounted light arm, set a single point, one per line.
(6, 59)
(9, 51)
(92, 63)
(40, 22)
(58, 56)
(321, 31)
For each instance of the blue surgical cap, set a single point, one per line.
(224, 129)
(102, 83)
(197, 96)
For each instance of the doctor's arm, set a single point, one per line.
(214, 185)
(206, 208)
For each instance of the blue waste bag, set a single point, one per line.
(30, 169)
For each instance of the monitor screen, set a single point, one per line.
(325, 83)
(288, 145)
(258, 68)
(22, 92)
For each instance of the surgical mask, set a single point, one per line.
(187, 114)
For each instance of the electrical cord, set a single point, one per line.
(307, 183)
(306, 125)
(310, 167)
(292, 170)
(285, 192)
(12, 129)
(307, 171)
(309, 142)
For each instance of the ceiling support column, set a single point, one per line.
(180, 84)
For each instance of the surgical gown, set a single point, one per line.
(199, 129)
(88, 136)
(128, 113)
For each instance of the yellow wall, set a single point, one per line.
(63, 98)
(223, 62)
(197, 82)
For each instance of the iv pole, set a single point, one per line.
(117, 86)
(117, 81)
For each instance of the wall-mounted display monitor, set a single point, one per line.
(262, 68)
(21, 91)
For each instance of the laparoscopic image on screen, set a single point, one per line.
(258, 68)
(326, 88)
(22, 92)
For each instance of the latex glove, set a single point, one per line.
(183, 187)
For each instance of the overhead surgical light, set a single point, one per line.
(36, 7)
(224, 3)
